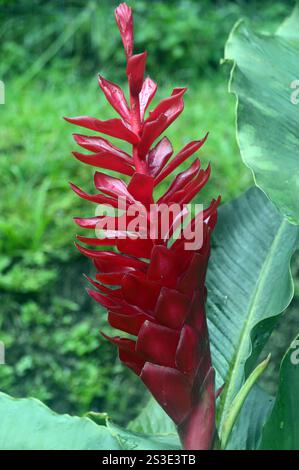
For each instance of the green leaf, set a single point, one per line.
(247, 431)
(27, 424)
(129, 440)
(289, 27)
(281, 431)
(153, 420)
(267, 120)
(249, 285)
(239, 400)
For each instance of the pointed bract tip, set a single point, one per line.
(76, 221)
(123, 15)
(72, 120)
(124, 20)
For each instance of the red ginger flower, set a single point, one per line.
(152, 290)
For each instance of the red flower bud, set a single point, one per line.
(152, 287)
(124, 19)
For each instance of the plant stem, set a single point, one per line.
(198, 430)
(239, 401)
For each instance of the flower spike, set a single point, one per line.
(152, 286)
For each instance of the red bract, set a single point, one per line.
(152, 289)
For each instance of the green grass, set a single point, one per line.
(50, 327)
(37, 206)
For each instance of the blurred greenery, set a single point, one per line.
(51, 53)
(182, 37)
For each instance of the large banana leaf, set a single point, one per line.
(264, 70)
(282, 429)
(249, 285)
(27, 424)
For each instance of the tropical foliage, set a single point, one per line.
(249, 279)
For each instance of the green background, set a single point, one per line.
(51, 53)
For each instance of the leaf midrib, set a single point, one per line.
(248, 324)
